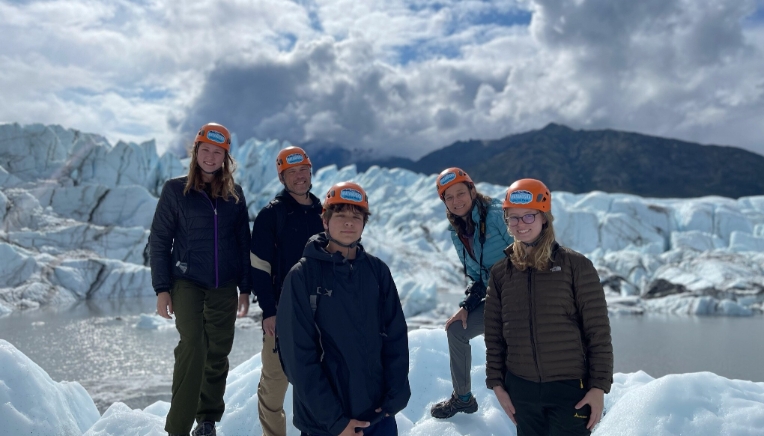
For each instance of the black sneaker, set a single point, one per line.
(450, 407)
(205, 428)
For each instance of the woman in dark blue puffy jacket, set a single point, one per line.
(199, 250)
(480, 237)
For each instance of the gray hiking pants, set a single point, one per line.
(460, 351)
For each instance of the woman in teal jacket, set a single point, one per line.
(480, 237)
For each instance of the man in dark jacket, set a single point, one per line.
(279, 234)
(342, 334)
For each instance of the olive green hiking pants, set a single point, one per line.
(205, 319)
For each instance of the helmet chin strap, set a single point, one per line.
(351, 245)
(537, 240)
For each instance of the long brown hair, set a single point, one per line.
(541, 256)
(466, 226)
(222, 185)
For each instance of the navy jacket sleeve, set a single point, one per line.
(161, 238)
(395, 348)
(243, 238)
(263, 260)
(300, 354)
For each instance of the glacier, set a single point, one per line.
(75, 213)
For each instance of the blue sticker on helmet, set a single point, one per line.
(216, 137)
(352, 195)
(294, 158)
(520, 197)
(447, 178)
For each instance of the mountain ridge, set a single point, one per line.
(579, 161)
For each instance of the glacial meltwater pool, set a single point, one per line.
(96, 343)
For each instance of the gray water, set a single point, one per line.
(96, 343)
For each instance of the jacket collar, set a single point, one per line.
(287, 198)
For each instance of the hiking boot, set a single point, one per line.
(450, 407)
(205, 428)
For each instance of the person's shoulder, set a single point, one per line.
(177, 181)
(573, 256)
(271, 206)
(175, 185)
(377, 263)
(501, 264)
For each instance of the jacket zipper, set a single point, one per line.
(215, 211)
(530, 321)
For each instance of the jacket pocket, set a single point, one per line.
(184, 265)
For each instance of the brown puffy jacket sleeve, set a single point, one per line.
(495, 346)
(590, 298)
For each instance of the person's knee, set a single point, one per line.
(191, 334)
(457, 333)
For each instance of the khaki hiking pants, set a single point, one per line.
(271, 390)
(205, 319)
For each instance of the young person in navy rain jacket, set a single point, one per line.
(342, 335)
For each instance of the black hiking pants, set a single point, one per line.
(548, 409)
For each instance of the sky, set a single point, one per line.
(401, 77)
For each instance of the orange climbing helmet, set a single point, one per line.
(528, 193)
(215, 134)
(347, 193)
(291, 157)
(449, 177)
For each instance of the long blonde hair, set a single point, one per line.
(222, 184)
(541, 255)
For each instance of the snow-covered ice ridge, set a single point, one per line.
(75, 214)
(699, 404)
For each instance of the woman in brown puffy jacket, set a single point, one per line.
(549, 357)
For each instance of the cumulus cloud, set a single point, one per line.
(401, 77)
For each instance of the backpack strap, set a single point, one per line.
(376, 269)
(320, 288)
(279, 207)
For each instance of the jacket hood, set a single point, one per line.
(316, 249)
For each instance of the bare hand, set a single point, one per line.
(164, 305)
(506, 402)
(243, 306)
(269, 325)
(352, 425)
(379, 409)
(460, 315)
(595, 398)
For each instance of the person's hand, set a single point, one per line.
(243, 306)
(269, 325)
(164, 305)
(595, 398)
(506, 402)
(379, 409)
(352, 425)
(460, 315)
